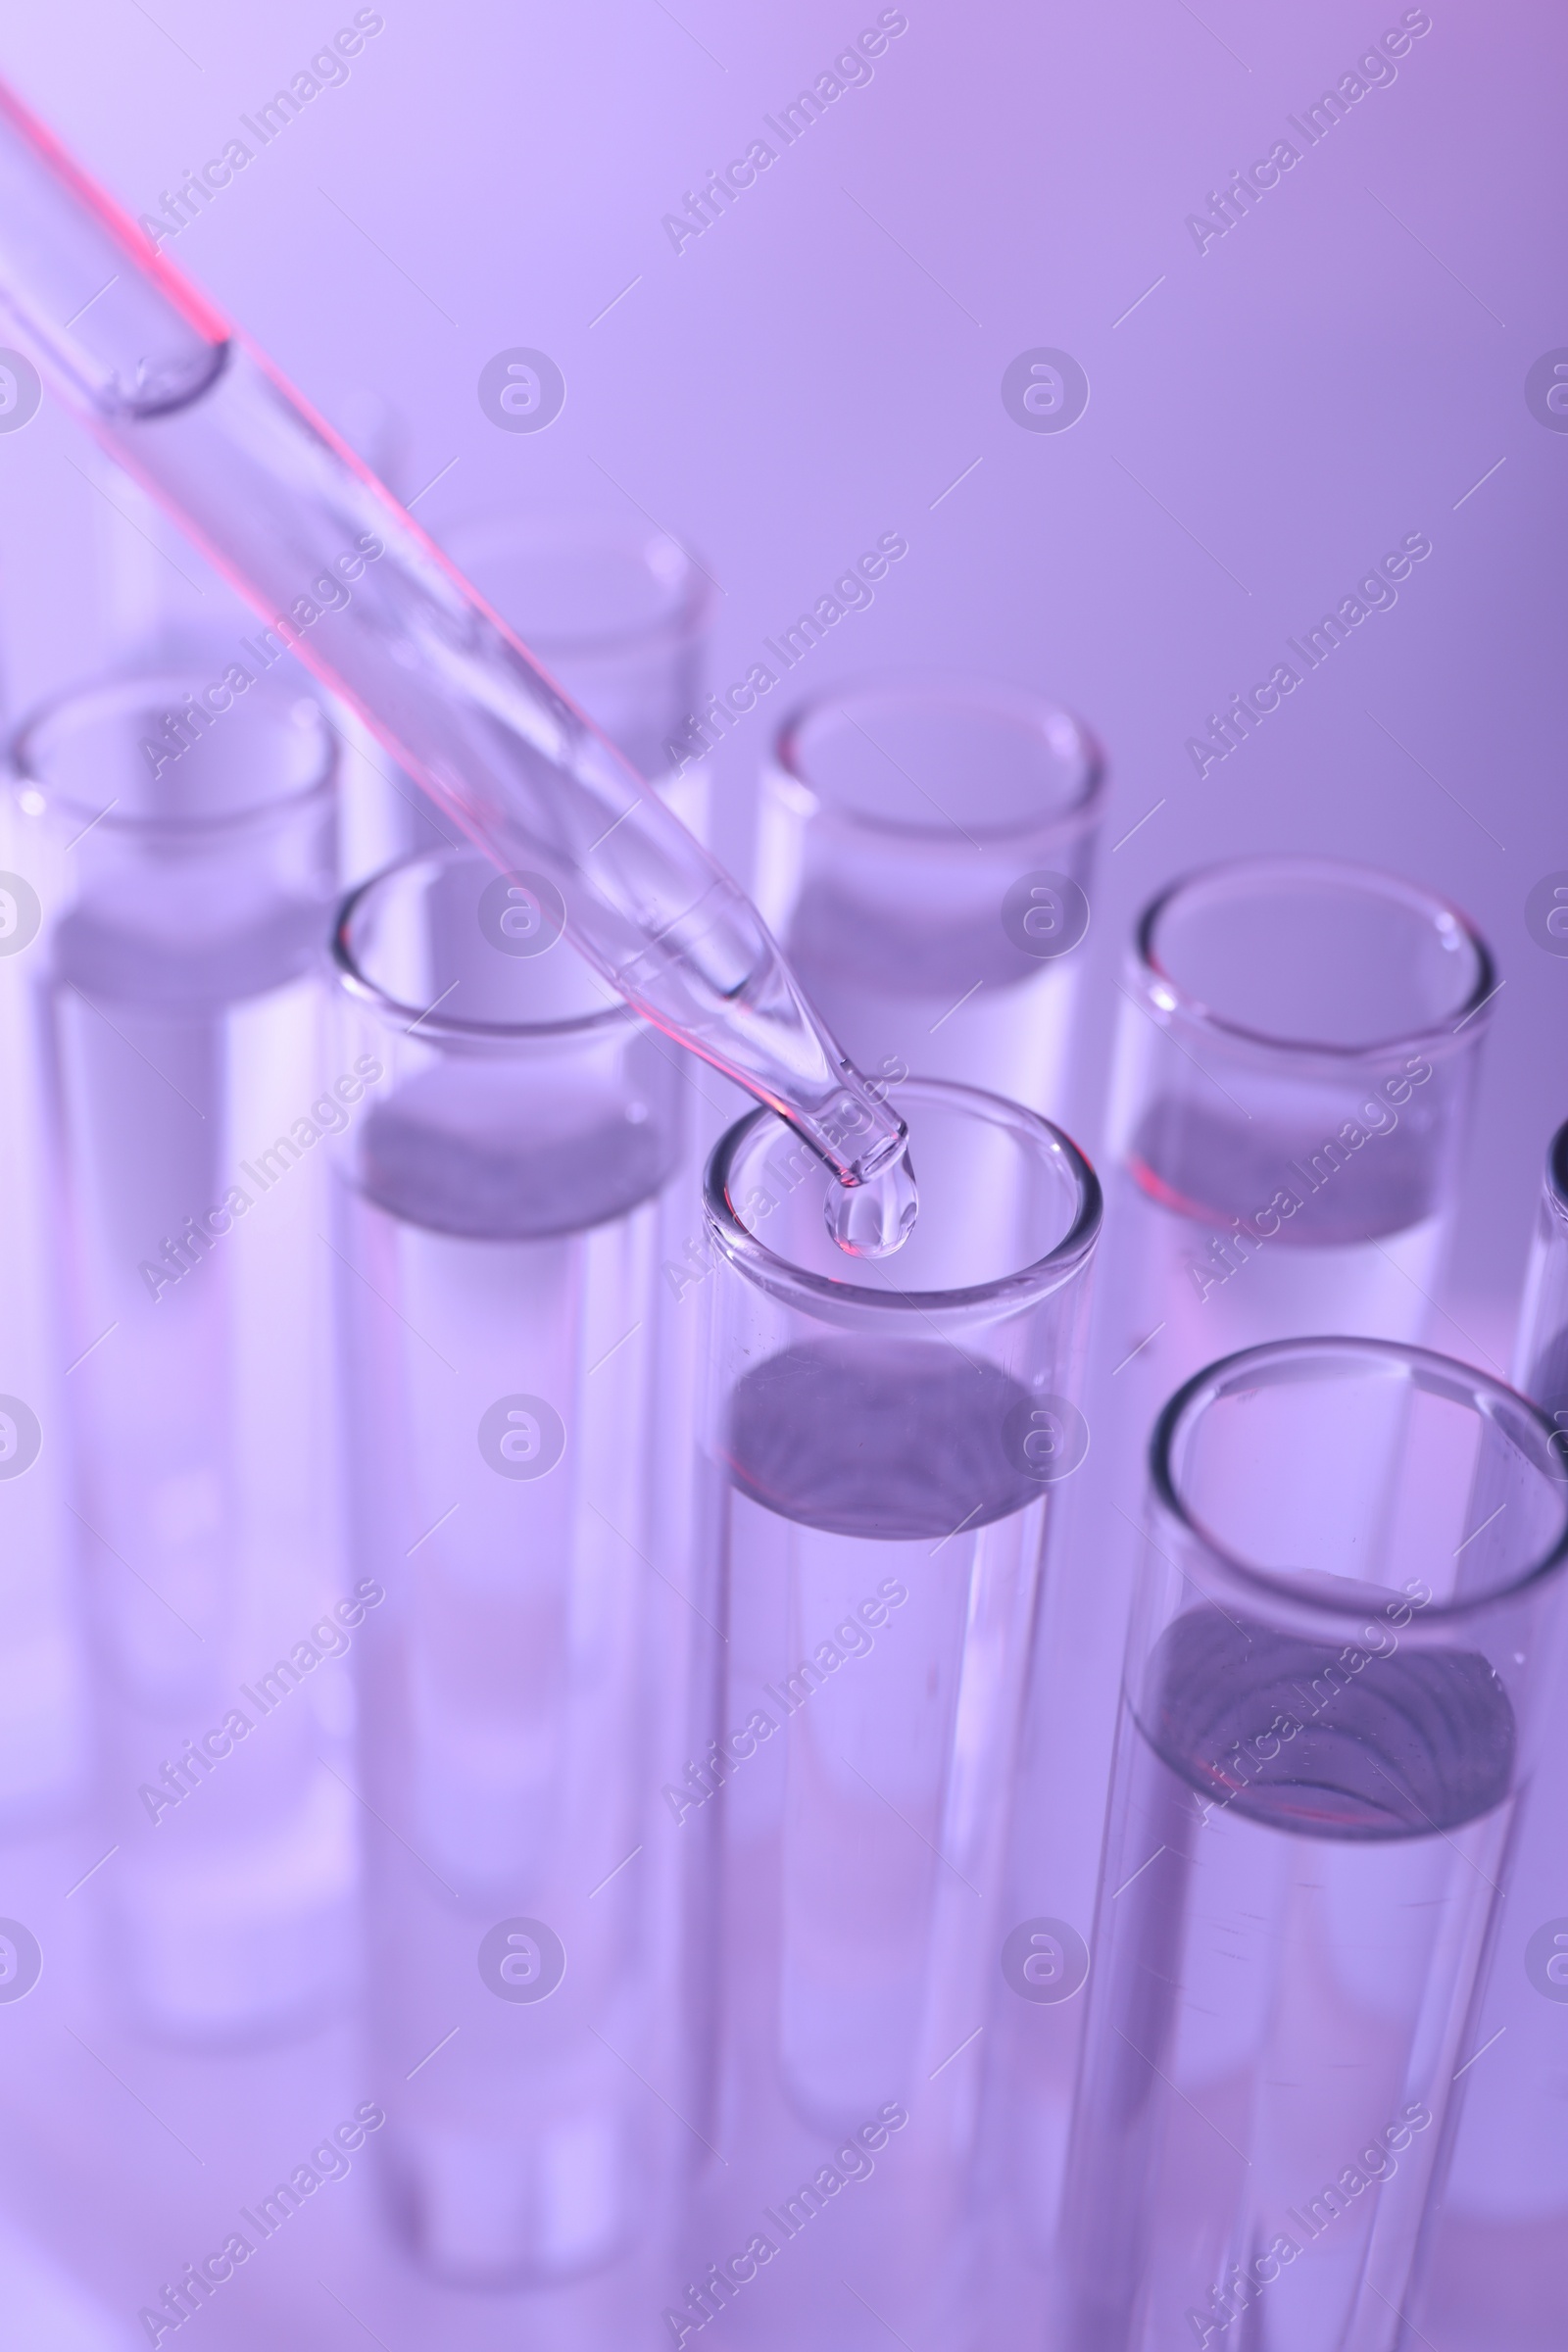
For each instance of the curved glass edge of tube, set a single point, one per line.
(815, 1295)
(1170, 1003)
(1289, 1600)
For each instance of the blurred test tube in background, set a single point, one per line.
(185, 844)
(1334, 1698)
(619, 619)
(618, 616)
(883, 1464)
(925, 857)
(522, 1674)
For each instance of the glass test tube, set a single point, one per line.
(1496, 2258)
(924, 852)
(884, 1459)
(1292, 1087)
(188, 859)
(1332, 1701)
(1291, 1092)
(499, 1228)
(621, 620)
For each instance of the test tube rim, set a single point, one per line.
(687, 615)
(24, 772)
(851, 1303)
(957, 688)
(1289, 1599)
(1171, 1000)
(436, 1026)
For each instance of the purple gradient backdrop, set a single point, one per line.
(823, 364)
(1318, 383)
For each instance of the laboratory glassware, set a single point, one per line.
(185, 855)
(1290, 1093)
(335, 565)
(498, 1235)
(884, 1462)
(1333, 1693)
(925, 856)
(618, 616)
(1292, 1087)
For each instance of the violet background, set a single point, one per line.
(825, 362)
(1276, 412)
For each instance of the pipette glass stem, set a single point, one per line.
(341, 574)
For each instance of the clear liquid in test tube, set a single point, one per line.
(499, 1226)
(1294, 1072)
(884, 1463)
(186, 873)
(1291, 1088)
(621, 617)
(1333, 1701)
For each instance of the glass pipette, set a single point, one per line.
(340, 571)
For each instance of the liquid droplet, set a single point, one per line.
(875, 1219)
